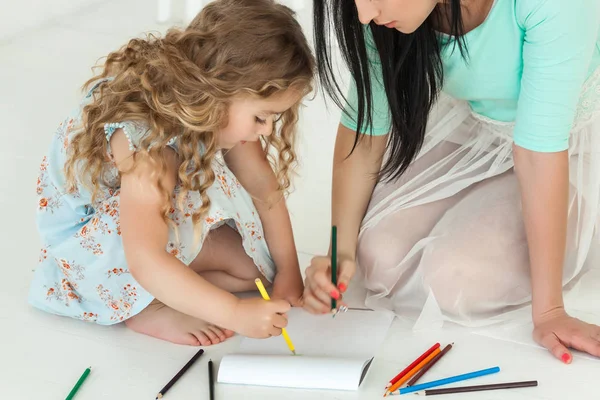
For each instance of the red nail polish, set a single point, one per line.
(342, 287)
(335, 294)
(566, 358)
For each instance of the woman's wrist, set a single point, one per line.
(542, 316)
(543, 307)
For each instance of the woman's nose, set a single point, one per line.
(367, 11)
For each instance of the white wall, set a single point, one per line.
(17, 16)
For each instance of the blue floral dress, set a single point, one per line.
(82, 271)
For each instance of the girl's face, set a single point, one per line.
(251, 117)
(403, 15)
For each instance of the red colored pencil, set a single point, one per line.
(414, 364)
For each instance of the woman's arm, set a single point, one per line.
(558, 45)
(544, 183)
(249, 164)
(354, 177)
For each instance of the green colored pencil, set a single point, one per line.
(334, 264)
(79, 383)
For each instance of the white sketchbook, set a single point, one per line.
(332, 353)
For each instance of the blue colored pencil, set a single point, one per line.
(446, 381)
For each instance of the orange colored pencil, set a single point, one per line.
(412, 372)
(412, 365)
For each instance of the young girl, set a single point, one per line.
(488, 197)
(161, 194)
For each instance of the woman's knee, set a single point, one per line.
(467, 286)
(382, 258)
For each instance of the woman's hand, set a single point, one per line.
(318, 288)
(556, 331)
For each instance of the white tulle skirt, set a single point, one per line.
(447, 242)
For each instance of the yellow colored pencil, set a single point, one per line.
(412, 372)
(265, 295)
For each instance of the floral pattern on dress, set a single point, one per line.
(89, 317)
(121, 306)
(110, 208)
(176, 249)
(227, 188)
(117, 272)
(64, 131)
(63, 292)
(70, 269)
(43, 254)
(89, 242)
(48, 201)
(42, 183)
(250, 231)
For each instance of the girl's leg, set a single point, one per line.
(223, 262)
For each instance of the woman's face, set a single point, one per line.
(403, 15)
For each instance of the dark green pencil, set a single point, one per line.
(334, 264)
(79, 383)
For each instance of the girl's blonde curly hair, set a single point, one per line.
(180, 86)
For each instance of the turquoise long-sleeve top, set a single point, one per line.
(527, 64)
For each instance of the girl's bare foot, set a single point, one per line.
(164, 323)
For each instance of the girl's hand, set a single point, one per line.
(556, 330)
(318, 288)
(258, 318)
(288, 286)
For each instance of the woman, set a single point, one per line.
(466, 167)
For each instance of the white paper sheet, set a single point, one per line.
(333, 353)
(293, 372)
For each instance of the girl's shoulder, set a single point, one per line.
(136, 131)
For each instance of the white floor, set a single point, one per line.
(41, 69)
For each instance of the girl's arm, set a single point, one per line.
(250, 166)
(145, 237)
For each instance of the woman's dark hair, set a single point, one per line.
(411, 69)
